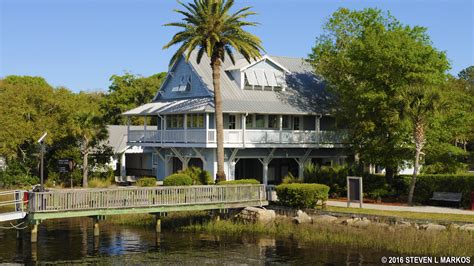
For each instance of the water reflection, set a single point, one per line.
(73, 241)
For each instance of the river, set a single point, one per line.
(71, 241)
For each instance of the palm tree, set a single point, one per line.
(420, 104)
(209, 27)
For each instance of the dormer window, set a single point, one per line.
(184, 84)
(263, 79)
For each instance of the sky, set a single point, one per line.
(81, 44)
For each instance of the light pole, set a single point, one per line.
(41, 142)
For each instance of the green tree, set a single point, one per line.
(127, 92)
(363, 61)
(88, 127)
(209, 27)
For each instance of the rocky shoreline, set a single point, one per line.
(268, 215)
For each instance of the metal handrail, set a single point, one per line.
(18, 200)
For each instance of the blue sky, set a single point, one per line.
(80, 44)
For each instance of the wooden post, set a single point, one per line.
(96, 226)
(157, 224)
(34, 233)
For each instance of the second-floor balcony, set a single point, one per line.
(237, 137)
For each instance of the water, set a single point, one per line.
(72, 241)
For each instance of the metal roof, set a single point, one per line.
(305, 93)
(203, 104)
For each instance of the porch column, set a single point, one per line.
(207, 128)
(185, 125)
(232, 170)
(301, 170)
(280, 123)
(317, 123)
(244, 127)
(265, 172)
(167, 165)
(122, 165)
(317, 128)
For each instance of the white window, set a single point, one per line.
(195, 121)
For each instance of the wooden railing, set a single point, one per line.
(92, 199)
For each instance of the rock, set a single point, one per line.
(254, 215)
(350, 221)
(302, 218)
(324, 219)
(433, 227)
(467, 227)
(361, 223)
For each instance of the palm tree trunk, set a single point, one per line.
(419, 136)
(85, 164)
(216, 76)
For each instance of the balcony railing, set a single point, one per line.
(238, 136)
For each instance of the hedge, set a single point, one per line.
(146, 182)
(198, 175)
(178, 180)
(427, 184)
(301, 195)
(240, 182)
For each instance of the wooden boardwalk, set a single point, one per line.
(100, 202)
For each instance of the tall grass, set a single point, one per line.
(409, 241)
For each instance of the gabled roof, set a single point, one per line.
(243, 64)
(305, 92)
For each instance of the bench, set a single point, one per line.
(447, 197)
(125, 180)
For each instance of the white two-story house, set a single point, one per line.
(276, 119)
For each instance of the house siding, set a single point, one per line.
(198, 88)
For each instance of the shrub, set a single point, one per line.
(240, 182)
(334, 177)
(198, 175)
(427, 184)
(146, 182)
(17, 175)
(99, 183)
(290, 179)
(178, 179)
(301, 195)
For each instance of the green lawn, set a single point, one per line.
(405, 214)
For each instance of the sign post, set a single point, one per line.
(65, 166)
(354, 190)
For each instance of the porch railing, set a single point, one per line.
(238, 136)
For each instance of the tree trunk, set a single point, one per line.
(389, 173)
(419, 136)
(85, 164)
(216, 76)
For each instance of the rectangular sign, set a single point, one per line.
(354, 190)
(65, 165)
